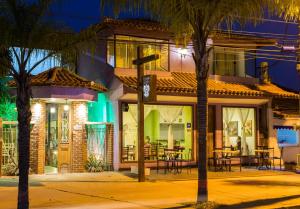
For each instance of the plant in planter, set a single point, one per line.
(94, 165)
(290, 166)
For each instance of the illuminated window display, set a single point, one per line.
(166, 126)
(124, 51)
(239, 129)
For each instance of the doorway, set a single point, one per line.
(57, 143)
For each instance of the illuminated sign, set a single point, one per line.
(149, 88)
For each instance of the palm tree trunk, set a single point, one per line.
(201, 62)
(24, 117)
(202, 134)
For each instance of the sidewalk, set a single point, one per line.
(251, 189)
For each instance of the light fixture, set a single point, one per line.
(183, 51)
(66, 106)
(52, 110)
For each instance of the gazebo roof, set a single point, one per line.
(61, 77)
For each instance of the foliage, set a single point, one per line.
(7, 105)
(28, 29)
(11, 169)
(207, 205)
(94, 165)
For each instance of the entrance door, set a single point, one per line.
(57, 143)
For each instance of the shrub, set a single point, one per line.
(94, 165)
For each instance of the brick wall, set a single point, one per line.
(79, 144)
(37, 137)
(1, 140)
(109, 145)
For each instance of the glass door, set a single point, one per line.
(57, 143)
(51, 141)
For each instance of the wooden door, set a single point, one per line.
(64, 139)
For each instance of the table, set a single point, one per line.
(226, 157)
(263, 157)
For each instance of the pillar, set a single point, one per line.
(79, 139)
(219, 127)
(37, 137)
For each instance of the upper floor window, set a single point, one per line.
(123, 51)
(228, 62)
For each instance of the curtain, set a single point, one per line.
(228, 115)
(244, 113)
(169, 114)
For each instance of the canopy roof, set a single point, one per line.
(60, 77)
(185, 83)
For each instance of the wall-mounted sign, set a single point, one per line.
(149, 88)
(188, 125)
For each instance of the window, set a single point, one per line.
(166, 126)
(122, 55)
(228, 62)
(239, 129)
(287, 136)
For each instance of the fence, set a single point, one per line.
(99, 141)
(9, 147)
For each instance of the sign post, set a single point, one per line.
(140, 74)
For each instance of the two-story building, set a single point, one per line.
(240, 101)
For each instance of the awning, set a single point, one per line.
(283, 127)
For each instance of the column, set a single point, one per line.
(37, 137)
(79, 139)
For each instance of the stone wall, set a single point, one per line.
(79, 142)
(37, 137)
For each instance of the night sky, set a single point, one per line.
(79, 14)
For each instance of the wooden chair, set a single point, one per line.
(125, 151)
(147, 153)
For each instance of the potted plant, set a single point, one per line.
(290, 166)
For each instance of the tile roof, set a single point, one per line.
(61, 77)
(135, 23)
(185, 83)
(150, 25)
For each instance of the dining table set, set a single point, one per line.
(223, 158)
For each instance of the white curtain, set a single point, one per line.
(244, 113)
(169, 114)
(227, 117)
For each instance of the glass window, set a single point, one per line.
(239, 127)
(111, 53)
(287, 137)
(126, 49)
(228, 62)
(165, 127)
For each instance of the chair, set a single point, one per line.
(222, 160)
(125, 152)
(147, 152)
(160, 155)
(131, 152)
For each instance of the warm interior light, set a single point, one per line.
(52, 110)
(183, 51)
(66, 107)
(37, 108)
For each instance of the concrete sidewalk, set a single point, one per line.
(117, 190)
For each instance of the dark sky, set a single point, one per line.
(79, 14)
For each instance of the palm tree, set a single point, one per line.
(195, 20)
(27, 30)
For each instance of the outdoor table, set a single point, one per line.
(263, 155)
(226, 155)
